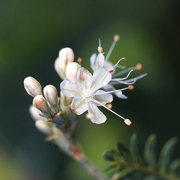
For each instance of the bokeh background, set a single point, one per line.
(32, 33)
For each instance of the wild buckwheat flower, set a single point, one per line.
(87, 95)
(66, 55)
(100, 61)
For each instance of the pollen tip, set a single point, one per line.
(100, 49)
(130, 87)
(79, 60)
(111, 70)
(127, 122)
(89, 116)
(116, 37)
(82, 78)
(109, 105)
(123, 59)
(138, 67)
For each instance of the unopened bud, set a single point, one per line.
(32, 86)
(43, 126)
(40, 103)
(51, 94)
(109, 105)
(71, 71)
(66, 55)
(36, 114)
(116, 37)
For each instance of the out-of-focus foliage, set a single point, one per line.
(133, 163)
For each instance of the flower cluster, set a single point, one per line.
(81, 90)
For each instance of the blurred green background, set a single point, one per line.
(32, 33)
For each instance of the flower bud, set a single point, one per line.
(51, 94)
(36, 114)
(66, 55)
(42, 126)
(32, 86)
(40, 103)
(71, 71)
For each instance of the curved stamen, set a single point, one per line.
(125, 120)
(120, 79)
(116, 38)
(114, 91)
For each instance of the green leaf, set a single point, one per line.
(124, 152)
(150, 150)
(150, 177)
(134, 147)
(166, 154)
(110, 155)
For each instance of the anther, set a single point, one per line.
(79, 60)
(109, 105)
(111, 70)
(123, 58)
(127, 122)
(100, 49)
(82, 78)
(116, 37)
(89, 116)
(130, 87)
(138, 67)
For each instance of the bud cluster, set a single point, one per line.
(80, 91)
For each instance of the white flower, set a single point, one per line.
(87, 95)
(100, 61)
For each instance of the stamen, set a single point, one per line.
(130, 87)
(109, 105)
(125, 120)
(89, 116)
(100, 49)
(122, 59)
(113, 91)
(79, 60)
(138, 67)
(111, 70)
(82, 78)
(115, 39)
(120, 79)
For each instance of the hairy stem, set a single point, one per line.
(73, 150)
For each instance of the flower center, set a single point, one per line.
(86, 93)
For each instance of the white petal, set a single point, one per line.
(92, 61)
(100, 60)
(97, 116)
(103, 98)
(79, 106)
(84, 78)
(70, 89)
(101, 78)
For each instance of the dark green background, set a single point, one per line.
(31, 34)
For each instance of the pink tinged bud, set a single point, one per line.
(32, 86)
(127, 122)
(66, 55)
(43, 126)
(72, 71)
(36, 114)
(116, 37)
(51, 94)
(40, 103)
